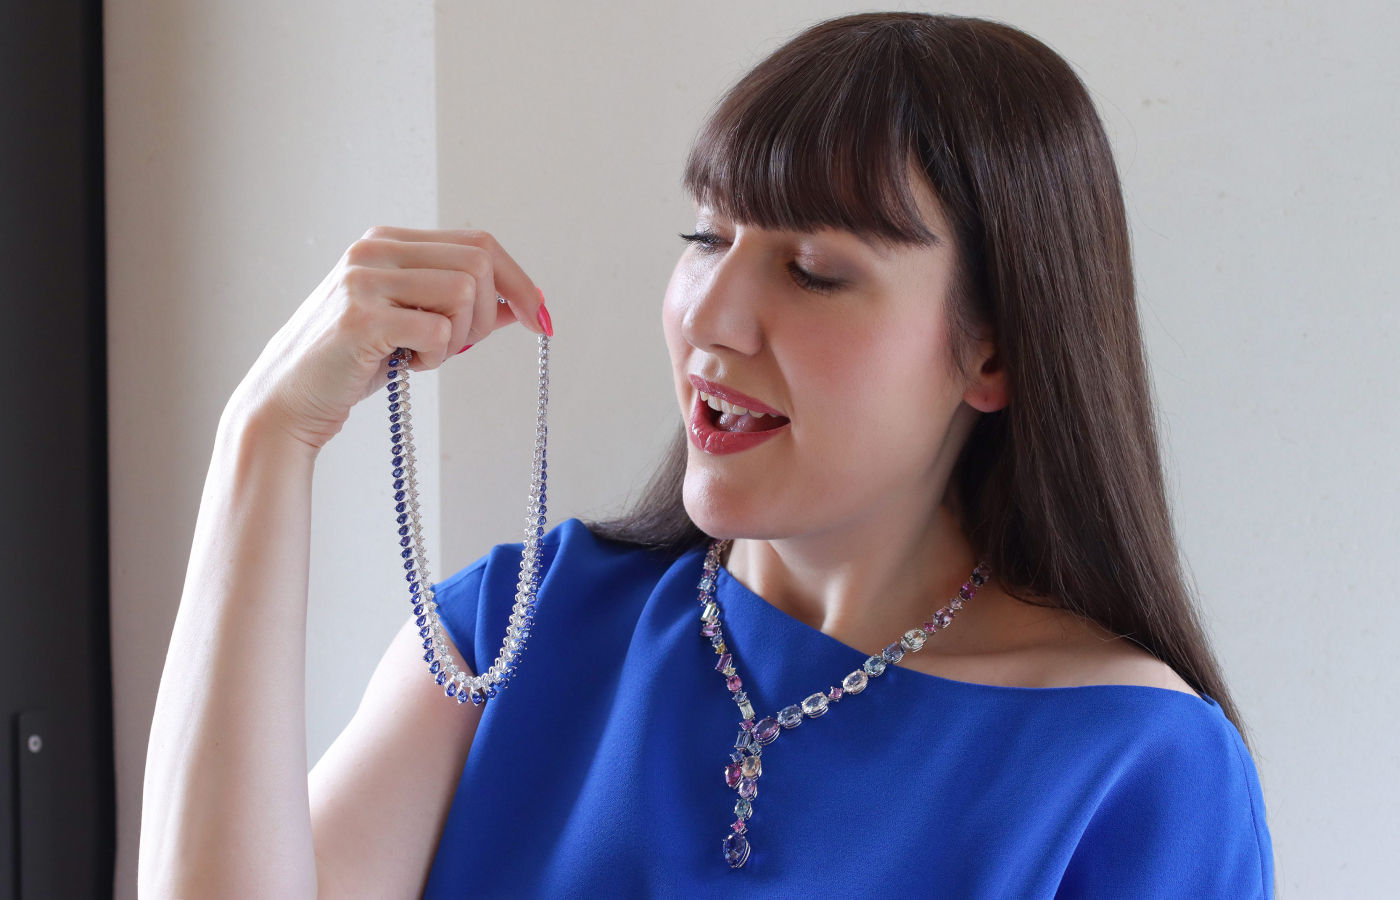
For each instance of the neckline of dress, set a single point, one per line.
(733, 587)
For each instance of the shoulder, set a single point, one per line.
(1181, 812)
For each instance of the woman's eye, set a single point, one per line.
(810, 282)
(705, 240)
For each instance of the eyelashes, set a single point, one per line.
(708, 242)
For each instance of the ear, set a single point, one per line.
(986, 390)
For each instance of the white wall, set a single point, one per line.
(1256, 140)
(248, 143)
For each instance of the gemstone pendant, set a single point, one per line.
(736, 850)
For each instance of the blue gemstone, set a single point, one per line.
(421, 620)
(441, 677)
(398, 470)
(398, 483)
(411, 576)
(413, 588)
(403, 529)
(393, 385)
(451, 689)
(394, 429)
(408, 564)
(490, 692)
(403, 541)
(736, 850)
(393, 361)
(477, 699)
(428, 657)
(418, 610)
(406, 553)
(400, 507)
(435, 667)
(399, 495)
(393, 417)
(397, 461)
(394, 395)
(393, 407)
(423, 633)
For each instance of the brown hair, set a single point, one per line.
(1062, 491)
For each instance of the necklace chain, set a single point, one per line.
(746, 762)
(455, 681)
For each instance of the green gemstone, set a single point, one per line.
(743, 809)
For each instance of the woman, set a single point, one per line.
(906, 351)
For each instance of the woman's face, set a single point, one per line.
(847, 342)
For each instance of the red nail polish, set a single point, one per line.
(544, 318)
(466, 348)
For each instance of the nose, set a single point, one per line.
(722, 314)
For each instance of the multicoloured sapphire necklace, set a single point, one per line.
(746, 763)
(454, 681)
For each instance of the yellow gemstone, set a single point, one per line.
(751, 767)
(710, 611)
(720, 648)
(727, 670)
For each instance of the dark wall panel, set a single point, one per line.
(56, 778)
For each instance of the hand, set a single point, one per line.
(432, 291)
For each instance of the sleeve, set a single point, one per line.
(458, 599)
(1183, 818)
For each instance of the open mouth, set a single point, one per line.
(719, 424)
(734, 419)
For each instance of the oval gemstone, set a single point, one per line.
(743, 808)
(874, 665)
(893, 653)
(748, 788)
(913, 639)
(732, 774)
(854, 683)
(752, 767)
(766, 730)
(790, 716)
(944, 617)
(734, 683)
(814, 705)
(736, 850)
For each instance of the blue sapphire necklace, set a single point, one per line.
(456, 682)
(746, 761)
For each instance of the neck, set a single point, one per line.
(865, 580)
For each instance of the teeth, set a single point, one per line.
(726, 407)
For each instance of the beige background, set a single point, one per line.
(248, 143)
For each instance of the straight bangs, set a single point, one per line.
(824, 140)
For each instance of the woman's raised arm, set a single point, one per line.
(226, 810)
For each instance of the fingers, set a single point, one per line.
(422, 247)
(427, 334)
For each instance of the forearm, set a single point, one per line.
(225, 808)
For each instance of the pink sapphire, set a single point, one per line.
(966, 591)
(766, 731)
(734, 683)
(710, 629)
(930, 627)
(944, 617)
(746, 725)
(835, 693)
(732, 774)
(723, 663)
(748, 788)
(738, 826)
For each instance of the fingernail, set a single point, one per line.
(466, 348)
(544, 317)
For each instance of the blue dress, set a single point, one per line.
(599, 770)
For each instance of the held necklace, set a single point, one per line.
(745, 762)
(456, 682)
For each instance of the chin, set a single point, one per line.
(726, 509)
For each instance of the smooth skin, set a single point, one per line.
(839, 523)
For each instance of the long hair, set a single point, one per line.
(1062, 491)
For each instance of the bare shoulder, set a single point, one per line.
(1075, 653)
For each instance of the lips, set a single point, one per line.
(707, 437)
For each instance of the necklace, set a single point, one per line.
(444, 669)
(746, 761)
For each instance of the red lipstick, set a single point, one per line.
(705, 436)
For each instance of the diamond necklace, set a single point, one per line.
(745, 763)
(456, 682)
